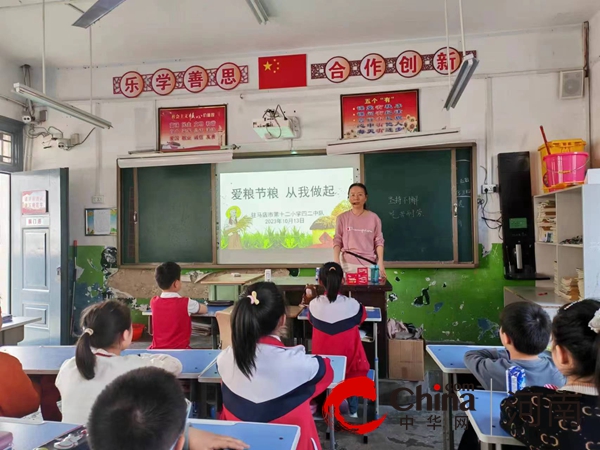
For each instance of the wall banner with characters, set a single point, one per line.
(373, 66)
(194, 79)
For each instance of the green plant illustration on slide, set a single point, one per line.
(237, 235)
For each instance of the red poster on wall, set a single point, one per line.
(34, 202)
(192, 128)
(368, 115)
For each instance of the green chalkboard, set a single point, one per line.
(175, 214)
(412, 193)
(126, 216)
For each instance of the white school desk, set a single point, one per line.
(48, 360)
(29, 435)
(227, 279)
(486, 419)
(13, 332)
(451, 360)
(338, 364)
(373, 316)
(211, 314)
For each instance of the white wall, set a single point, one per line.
(595, 87)
(10, 73)
(515, 91)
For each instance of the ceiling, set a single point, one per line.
(159, 30)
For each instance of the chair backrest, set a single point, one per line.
(224, 322)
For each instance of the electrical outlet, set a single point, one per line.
(97, 199)
(489, 189)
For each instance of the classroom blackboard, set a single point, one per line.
(415, 194)
(174, 214)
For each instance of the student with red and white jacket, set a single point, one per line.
(336, 320)
(264, 381)
(171, 322)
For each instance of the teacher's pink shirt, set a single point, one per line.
(359, 234)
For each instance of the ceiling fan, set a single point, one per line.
(96, 12)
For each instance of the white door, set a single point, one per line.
(39, 262)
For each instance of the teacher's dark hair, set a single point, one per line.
(105, 322)
(252, 321)
(331, 276)
(359, 185)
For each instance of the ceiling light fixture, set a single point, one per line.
(259, 11)
(96, 12)
(467, 68)
(42, 99)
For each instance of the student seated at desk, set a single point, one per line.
(336, 320)
(171, 312)
(107, 331)
(525, 333)
(535, 415)
(262, 380)
(145, 409)
(18, 396)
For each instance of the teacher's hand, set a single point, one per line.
(382, 273)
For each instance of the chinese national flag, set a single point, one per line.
(276, 72)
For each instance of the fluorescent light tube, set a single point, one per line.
(259, 11)
(96, 12)
(175, 159)
(42, 99)
(467, 69)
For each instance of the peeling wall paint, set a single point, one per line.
(438, 298)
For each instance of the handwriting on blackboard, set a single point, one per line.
(410, 214)
(464, 193)
(404, 200)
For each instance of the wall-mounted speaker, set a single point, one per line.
(571, 84)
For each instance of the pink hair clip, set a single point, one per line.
(253, 298)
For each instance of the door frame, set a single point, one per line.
(5, 242)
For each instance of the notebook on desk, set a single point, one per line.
(6, 318)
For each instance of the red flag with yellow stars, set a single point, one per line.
(277, 72)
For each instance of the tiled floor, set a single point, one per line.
(420, 436)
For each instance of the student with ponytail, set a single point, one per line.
(262, 380)
(336, 320)
(107, 331)
(535, 415)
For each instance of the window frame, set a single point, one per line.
(15, 129)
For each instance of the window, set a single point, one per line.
(11, 145)
(6, 149)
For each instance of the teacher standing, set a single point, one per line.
(358, 238)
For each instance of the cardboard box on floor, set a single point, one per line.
(406, 359)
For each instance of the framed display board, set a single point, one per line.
(101, 221)
(370, 115)
(193, 128)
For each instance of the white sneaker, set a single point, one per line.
(353, 415)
